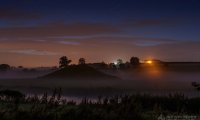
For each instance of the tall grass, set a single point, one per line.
(16, 106)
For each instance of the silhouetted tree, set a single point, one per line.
(135, 61)
(127, 65)
(196, 85)
(122, 66)
(4, 67)
(11, 94)
(81, 61)
(112, 66)
(64, 62)
(103, 65)
(119, 61)
(20, 67)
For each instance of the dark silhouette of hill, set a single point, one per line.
(79, 72)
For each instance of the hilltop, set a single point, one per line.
(79, 72)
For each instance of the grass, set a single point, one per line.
(124, 107)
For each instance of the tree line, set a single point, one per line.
(64, 62)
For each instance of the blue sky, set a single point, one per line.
(139, 25)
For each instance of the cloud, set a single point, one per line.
(69, 43)
(17, 14)
(124, 39)
(93, 40)
(34, 52)
(51, 30)
(103, 50)
(152, 41)
(140, 23)
(147, 43)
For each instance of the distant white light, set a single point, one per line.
(115, 63)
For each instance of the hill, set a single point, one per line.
(78, 72)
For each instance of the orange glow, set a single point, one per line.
(149, 62)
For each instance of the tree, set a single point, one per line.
(119, 61)
(81, 61)
(112, 66)
(20, 67)
(64, 62)
(11, 94)
(135, 61)
(4, 67)
(196, 85)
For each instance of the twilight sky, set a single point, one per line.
(37, 32)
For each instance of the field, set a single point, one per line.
(155, 81)
(144, 93)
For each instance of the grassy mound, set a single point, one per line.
(78, 72)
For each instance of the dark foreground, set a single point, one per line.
(15, 106)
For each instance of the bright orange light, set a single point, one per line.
(149, 62)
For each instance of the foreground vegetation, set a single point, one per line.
(16, 106)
